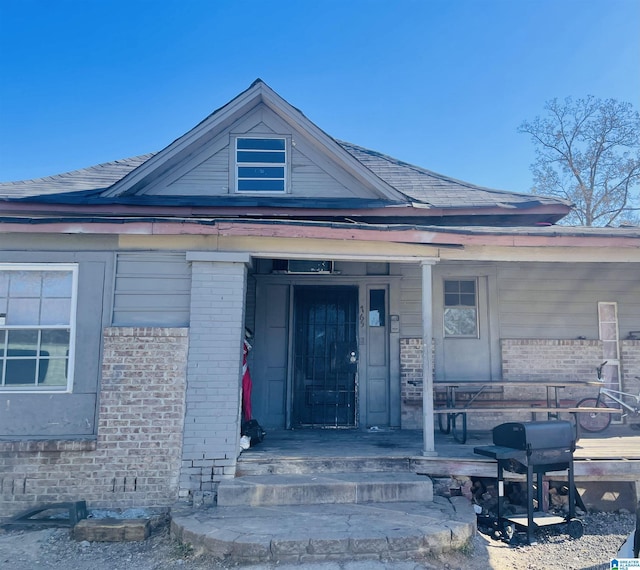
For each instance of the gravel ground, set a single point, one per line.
(54, 549)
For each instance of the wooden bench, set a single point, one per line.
(548, 410)
(456, 418)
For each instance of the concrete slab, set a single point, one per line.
(299, 489)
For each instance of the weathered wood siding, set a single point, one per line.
(152, 289)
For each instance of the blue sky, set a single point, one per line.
(440, 83)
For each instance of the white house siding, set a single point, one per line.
(134, 460)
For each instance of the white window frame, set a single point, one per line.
(476, 334)
(235, 165)
(44, 267)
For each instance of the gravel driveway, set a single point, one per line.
(54, 549)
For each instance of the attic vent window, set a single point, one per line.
(261, 164)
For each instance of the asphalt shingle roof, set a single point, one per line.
(432, 188)
(418, 184)
(95, 177)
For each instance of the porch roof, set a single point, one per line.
(460, 236)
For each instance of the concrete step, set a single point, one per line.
(258, 464)
(307, 534)
(326, 488)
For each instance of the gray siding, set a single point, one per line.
(411, 301)
(541, 300)
(559, 301)
(152, 289)
(71, 415)
(207, 173)
(308, 179)
(210, 178)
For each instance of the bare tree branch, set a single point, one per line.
(588, 152)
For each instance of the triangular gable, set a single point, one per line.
(202, 154)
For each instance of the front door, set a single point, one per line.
(463, 343)
(325, 355)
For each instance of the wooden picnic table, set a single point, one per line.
(453, 416)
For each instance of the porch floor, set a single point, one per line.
(611, 455)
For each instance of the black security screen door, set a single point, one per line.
(325, 356)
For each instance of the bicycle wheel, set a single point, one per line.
(444, 423)
(459, 427)
(593, 421)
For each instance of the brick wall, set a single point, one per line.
(522, 360)
(551, 360)
(212, 422)
(630, 358)
(411, 383)
(135, 459)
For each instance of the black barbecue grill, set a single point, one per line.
(534, 448)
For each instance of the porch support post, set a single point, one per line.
(214, 370)
(428, 436)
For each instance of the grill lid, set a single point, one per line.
(535, 435)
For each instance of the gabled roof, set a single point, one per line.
(400, 191)
(258, 93)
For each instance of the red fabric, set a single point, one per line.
(246, 383)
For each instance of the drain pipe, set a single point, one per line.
(428, 435)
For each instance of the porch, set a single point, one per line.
(613, 455)
(296, 497)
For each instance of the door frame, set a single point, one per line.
(355, 291)
(363, 283)
(489, 301)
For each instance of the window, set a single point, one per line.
(304, 266)
(37, 316)
(377, 308)
(261, 164)
(460, 308)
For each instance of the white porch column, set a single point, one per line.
(428, 437)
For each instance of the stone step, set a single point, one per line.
(326, 488)
(307, 534)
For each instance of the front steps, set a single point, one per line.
(327, 488)
(314, 517)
